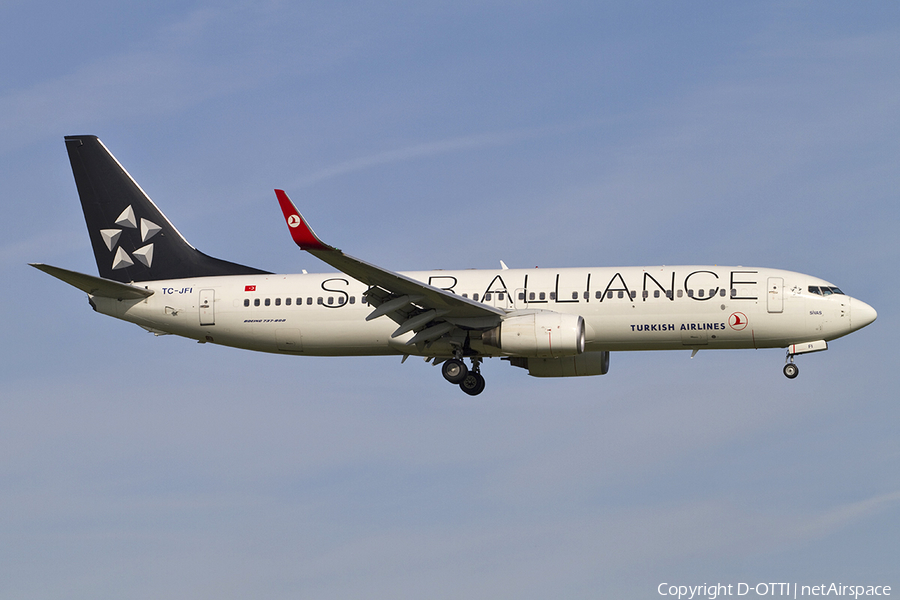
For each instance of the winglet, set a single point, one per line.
(301, 232)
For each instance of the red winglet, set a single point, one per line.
(301, 232)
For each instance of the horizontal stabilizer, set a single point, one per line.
(95, 286)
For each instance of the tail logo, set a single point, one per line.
(111, 237)
(293, 221)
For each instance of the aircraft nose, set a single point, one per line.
(861, 314)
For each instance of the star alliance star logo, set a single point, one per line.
(144, 254)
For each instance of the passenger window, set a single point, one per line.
(309, 301)
(330, 300)
(521, 295)
(656, 293)
(690, 293)
(633, 295)
(543, 296)
(598, 295)
(246, 301)
(277, 301)
(609, 294)
(475, 297)
(553, 295)
(352, 299)
(587, 295)
(621, 295)
(680, 293)
(699, 293)
(268, 302)
(299, 301)
(669, 294)
(500, 296)
(256, 302)
(320, 301)
(531, 295)
(487, 297)
(722, 292)
(287, 301)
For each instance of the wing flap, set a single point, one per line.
(390, 306)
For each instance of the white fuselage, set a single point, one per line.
(627, 308)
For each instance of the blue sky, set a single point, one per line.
(450, 135)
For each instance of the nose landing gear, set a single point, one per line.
(791, 370)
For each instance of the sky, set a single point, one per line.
(450, 135)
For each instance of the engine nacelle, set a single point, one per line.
(539, 333)
(589, 363)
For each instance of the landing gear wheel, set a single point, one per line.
(791, 370)
(454, 370)
(472, 384)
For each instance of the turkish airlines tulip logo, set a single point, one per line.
(293, 221)
(737, 321)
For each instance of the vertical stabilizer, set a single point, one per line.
(132, 239)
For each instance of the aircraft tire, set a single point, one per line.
(791, 370)
(473, 384)
(454, 370)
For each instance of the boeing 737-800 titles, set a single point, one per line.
(551, 322)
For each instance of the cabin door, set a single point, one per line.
(207, 307)
(775, 295)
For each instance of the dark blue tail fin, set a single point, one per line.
(132, 239)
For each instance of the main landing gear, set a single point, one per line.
(470, 381)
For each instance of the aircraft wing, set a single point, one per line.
(416, 306)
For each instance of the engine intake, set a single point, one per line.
(540, 334)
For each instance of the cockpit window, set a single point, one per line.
(824, 290)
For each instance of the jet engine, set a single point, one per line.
(539, 333)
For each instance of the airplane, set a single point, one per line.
(551, 322)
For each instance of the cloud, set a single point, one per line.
(435, 148)
(838, 517)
